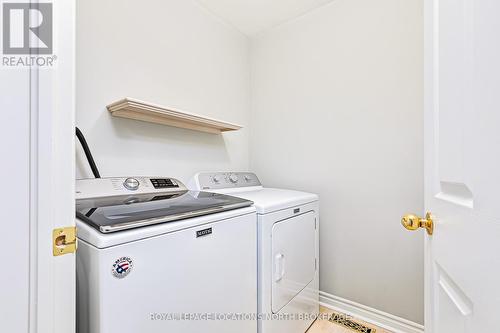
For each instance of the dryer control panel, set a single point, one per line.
(222, 180)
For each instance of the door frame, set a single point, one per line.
(430, 87)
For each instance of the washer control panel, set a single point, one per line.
(223, 180)
(104, 187)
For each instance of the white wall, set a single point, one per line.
(172, 53)
(337, 110)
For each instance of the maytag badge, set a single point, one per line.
(204, 232)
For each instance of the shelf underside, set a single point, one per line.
(142, 111)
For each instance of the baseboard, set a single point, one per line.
(370, 315)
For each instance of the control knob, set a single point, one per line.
(233, 178)
(216, 179)
(131, 184)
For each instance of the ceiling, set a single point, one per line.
(254, 16)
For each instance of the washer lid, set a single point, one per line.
(112, 214)
(268, 200)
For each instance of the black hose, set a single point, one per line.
(86, 149)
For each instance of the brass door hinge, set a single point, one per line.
(64, 241)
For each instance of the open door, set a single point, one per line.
(462, 168)
(37, 284)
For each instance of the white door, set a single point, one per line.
(294, 258)
(462, 169)
(37, 289)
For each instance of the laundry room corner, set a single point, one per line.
(337, 100)
(172, 53)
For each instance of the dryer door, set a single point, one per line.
(294, 259)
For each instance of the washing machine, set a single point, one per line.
(288, 249)
(155, 257)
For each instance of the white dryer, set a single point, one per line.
(288, 249)
(154, 257)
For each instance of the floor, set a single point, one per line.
(323, 325)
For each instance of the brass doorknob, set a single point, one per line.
(413, 222)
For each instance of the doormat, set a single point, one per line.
(344, 320)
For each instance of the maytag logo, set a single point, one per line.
(204, 232)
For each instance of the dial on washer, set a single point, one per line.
(131, 184)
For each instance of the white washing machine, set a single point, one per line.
(154, 257)
(288, 249)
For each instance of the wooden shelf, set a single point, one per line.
(143, 111)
